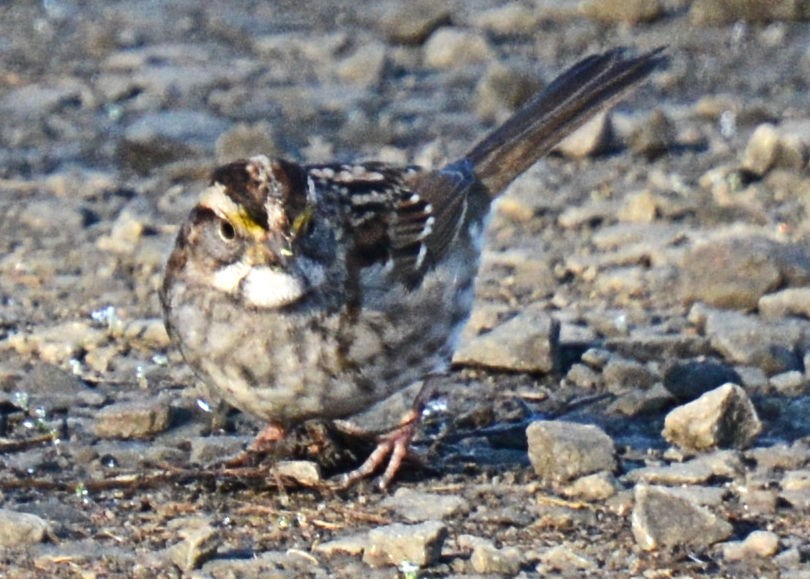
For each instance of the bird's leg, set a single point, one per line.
(270, 435)
(392, 446)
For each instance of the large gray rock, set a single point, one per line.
(561, 451)
(663, 519)
(724, 417)
(529, 342)
(395, 544)
(21, 529)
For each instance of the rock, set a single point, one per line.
(641, 207)
(593, 138)
(758, 502)
(133, 419)
(791, 383)
(561, 451)
(502, 90)
(56, 344)
(640, 402)
(756, 544)
(349, 545)
(51, 388)
(364, 67)
(413, 22)
(199, 544)
(662, 519)
(22, 529)
(245, 140)
(595, 487)
(751, 341)
(566, 559)
(723, 417)
(452, 48)
(303, 472)
(786, 302)
(416, 506)
(124, 236)
(689, 379)
(529, 342)
(510, 18)
(654, 137)
(582, 376)
(730, 272)
(718, 12)
(163, 137)
(149, 334)
(488, 559)
(621, 375)
(796, 480)
(617, 11)
(395, 544)
(692, 472)
(208, 449)
(288, 563)
(762, 150)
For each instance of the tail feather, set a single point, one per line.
(590, 86)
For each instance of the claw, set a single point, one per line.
(393, 447)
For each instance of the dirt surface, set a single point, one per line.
(674, 244)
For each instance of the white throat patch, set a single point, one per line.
(268, 288)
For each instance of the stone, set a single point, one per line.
(662, 519)
(719, 12)
(22, 529)
(762, 151)
(641, 207)
(598, 486)
(787, 302)
(622, 11)
(413, 22)
(654, 137)
(245, 140)
(593, 138)
(210, 449)
(133, 419)
(529, 342)
(349, 545)
(734, 272)
(790, 383)
(303, 472)
(416, 506)
(621, 375)
(687, 473)
(395, 544)
(452, 48)
(724, 417)
(561, 451)
(567, 559)
(640, 402)
(364, 67)
(488, 559)
(689, 379)
(501, 91)
(751, 341)
(756, 544)
(199, 544)
(509, 18)
(56, 344)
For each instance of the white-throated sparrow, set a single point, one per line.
(299, 292)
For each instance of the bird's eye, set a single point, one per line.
(226, 231)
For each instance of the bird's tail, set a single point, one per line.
(590, 86)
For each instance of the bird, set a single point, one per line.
(313, 291)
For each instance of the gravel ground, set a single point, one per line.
(629, 397)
